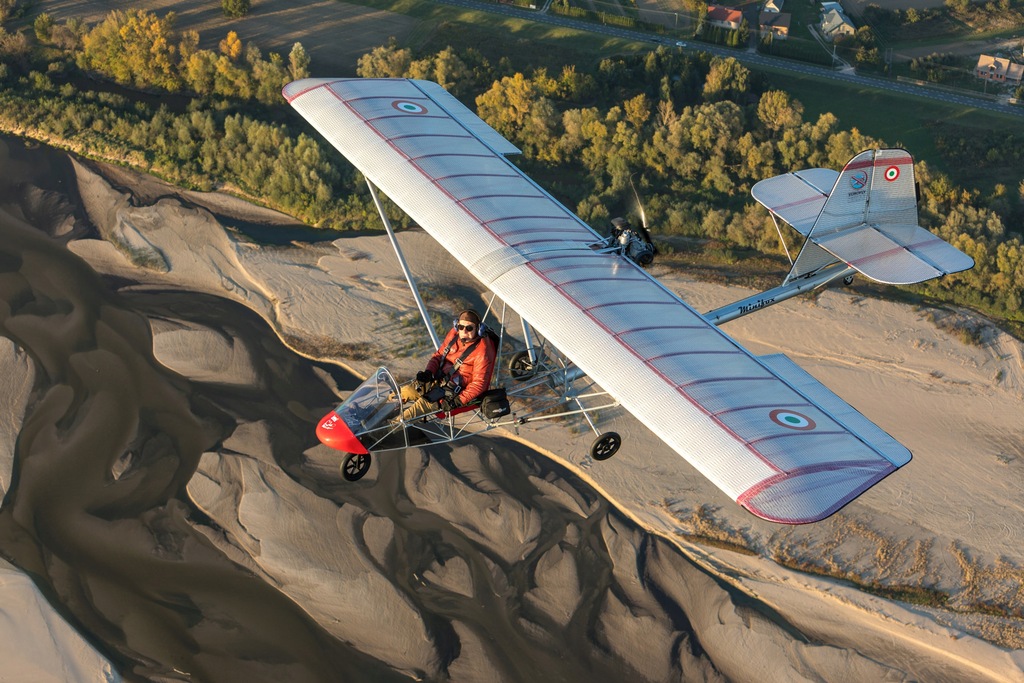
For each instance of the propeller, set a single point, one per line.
(643, 216)
(639, 204)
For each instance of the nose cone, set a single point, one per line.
(333, 432)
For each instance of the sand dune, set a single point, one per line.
(570, 564)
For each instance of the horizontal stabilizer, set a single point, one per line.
(796, 197)
(895, 254)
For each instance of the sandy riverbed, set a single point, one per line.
(949, 521)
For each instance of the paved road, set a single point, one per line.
(748, 57)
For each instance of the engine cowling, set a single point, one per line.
(632, 244)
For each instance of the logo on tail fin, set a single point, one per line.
(858, 180)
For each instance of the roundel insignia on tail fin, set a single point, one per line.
(892, 173)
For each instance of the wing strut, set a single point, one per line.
(405, 267)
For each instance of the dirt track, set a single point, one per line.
(335, 34)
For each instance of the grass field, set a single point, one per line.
(902, 121)
(525, 44)
(335, 34)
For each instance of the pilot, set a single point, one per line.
(457, 373)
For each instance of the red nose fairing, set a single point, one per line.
(332, 431)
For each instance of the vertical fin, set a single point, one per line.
(847, 203)
(876, 187)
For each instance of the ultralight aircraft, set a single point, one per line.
(599, 330)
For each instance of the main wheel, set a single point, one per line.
(605, 446)
(355, 466)
(520, 366)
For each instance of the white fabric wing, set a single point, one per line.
(765, 432)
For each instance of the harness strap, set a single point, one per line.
(462, 357)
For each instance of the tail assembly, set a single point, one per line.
(867, 220)
(862, 219)
(870, 221)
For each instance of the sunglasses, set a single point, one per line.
(467, 328)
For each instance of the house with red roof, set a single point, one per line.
(726, 17)
(999, 69)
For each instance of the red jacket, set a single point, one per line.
(474, 375)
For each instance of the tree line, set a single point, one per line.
(692, 132)
(139, 49)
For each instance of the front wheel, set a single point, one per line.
(605, 446)
(355, 466)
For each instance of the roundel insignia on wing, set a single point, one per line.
(858, 180)
(792, 420)
(409, 107)
(892, 173)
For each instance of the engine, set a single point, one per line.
(636, 245)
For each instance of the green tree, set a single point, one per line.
(231, 80)
(540, 133)
(727, 79)
(576, 126)
(7, 9)
(506, 106)
(298, 62)
(14, 46)
(269, 77)
(68, 36)
(43, 26)
(958, 7)
(231, 47)
(235, 8)
(777, 110)
(757, 158)
(385, 61)
(638, 110)
(575, 86)
(133, 47)
(199, 71)
(444, 68)
(450, 71)
(188, 45)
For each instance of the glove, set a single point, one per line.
(424, 376)
(449, 402)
